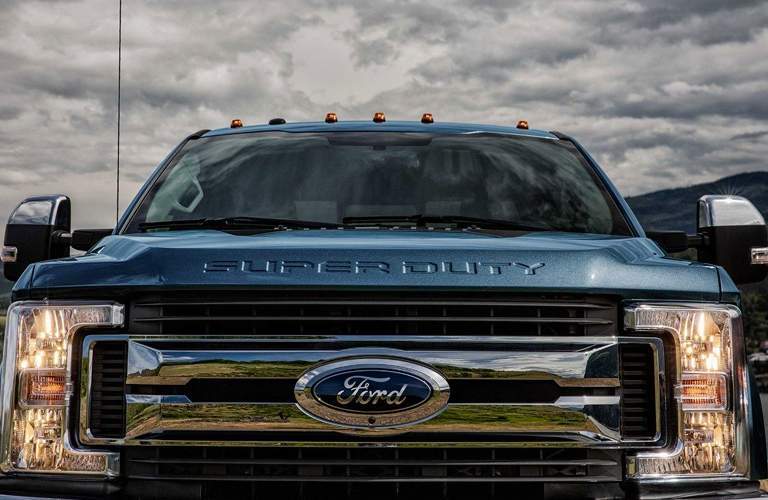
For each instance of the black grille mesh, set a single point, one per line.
(230, 472)
(107, 397)
(404, 313)
(638, 402)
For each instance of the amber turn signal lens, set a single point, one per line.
(703, 391)
(522, 124)
(45, 387)
(379, 117)
(236, 123)
(331, 118)
(427, 118)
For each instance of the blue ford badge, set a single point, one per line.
(372, 393)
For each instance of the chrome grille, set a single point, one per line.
(519, 390)
(541, 393)
(405, 313)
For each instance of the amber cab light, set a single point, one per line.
(331, 118)
(427, 118)
(379, 117)
(522, 124)
(236, 123)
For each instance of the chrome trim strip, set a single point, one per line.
(524, 358)
(151, 414)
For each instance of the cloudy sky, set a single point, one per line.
(665, 93)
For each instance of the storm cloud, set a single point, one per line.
(664, 93)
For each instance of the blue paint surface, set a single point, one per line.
(386, 258)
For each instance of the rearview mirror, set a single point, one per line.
(734, 235)
(35, 232)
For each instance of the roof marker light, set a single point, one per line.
(427, 118)
(331, 118)
(236, 123)
(379, 117)
(277, 121)
(522, 124)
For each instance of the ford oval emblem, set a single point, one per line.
(372, 393)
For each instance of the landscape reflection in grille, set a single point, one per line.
(373, 314)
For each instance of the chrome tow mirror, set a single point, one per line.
(735, 236)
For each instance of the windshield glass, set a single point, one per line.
(331, 176)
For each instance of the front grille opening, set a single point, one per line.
(638, 387)
(107, 397)
(373, 314)
(344, 468)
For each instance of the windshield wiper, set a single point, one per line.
(458, 220)
(237, 223)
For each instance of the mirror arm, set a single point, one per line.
(61, 238)
(698, 240)
(85, 239)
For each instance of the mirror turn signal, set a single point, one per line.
(9, 254)
(759, 255)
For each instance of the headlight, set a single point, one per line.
(708, 391)
(37, 388)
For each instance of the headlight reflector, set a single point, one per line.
(704, 389)
(37, 387)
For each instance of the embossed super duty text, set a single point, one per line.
(368, 267)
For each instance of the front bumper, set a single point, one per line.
(44, 489)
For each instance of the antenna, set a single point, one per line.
(119, 80)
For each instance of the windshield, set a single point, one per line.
(329, 177)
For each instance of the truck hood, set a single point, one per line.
(535, 262)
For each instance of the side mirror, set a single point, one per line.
(734, 235)
(35, 232)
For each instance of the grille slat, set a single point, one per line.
(516, 303)
(385, 479)
(377, 463)
(446, 319)
(107, 400)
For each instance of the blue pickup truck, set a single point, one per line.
(376, 309)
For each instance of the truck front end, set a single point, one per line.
(349, 309)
